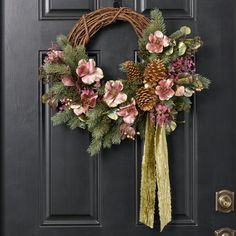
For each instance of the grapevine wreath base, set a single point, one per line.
(145, 103)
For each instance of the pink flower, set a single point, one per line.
(157, 42)
(182, 65)
(180, 91)
(128, 113)
(113, 95)
(88, 99)
(164, 89)
(127, 131)
(54, 56)
(88, 71)
(163, 114)
(68, 80)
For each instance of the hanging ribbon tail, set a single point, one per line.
(148, 180)
(162, 177)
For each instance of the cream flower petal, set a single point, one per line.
(159, 34)
(89, 79)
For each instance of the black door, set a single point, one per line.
(50, 185)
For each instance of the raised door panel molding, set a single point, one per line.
(66, 10)
(177, 9)
(69, 194)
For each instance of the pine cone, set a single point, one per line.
(132, 70)
(146, 98)
(154, 71)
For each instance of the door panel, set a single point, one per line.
(50, 184)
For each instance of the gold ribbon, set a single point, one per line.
(155, 173)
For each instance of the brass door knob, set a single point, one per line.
(225, 232)
(225, 201)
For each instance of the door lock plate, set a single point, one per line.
(225, 232)
(225, 201)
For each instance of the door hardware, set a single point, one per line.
(225, 201)
(225, 232)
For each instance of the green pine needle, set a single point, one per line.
(60, 69)
(62, 117)
(62, 41)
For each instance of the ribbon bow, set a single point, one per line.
(155, 176)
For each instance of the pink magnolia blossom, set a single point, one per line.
(68, 81)
(127, 131)
(163, 114)
(88, 99)
(157, 42)
(128, 112)
(164, 89)
(180, 91)
(88, 71)
(113, 95)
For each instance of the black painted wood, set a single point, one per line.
(51, 187)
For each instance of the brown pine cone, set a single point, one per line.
(154, 71)
(146, 98)
(132, 70)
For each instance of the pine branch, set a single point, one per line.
(51, 69)
(101, 128)
(94, 147)
(130, 87)
(95, 115)
(62, 41)
(157, 20)
(73, 55)
(182, 103)
(113, 136)
(75, 122)
(62, 117)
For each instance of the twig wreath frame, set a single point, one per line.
(92, 22)
(145, 104)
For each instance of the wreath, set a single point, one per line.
(145, 103)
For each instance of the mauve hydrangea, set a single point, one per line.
(163, 114)
(182, 65)
(54, 56)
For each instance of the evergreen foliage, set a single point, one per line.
(73, 55)
(62, 41)
(182, 103)
(75, 122)
(60, 69)
(62, 117)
